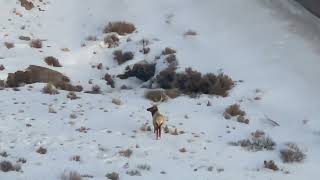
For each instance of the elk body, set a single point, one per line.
(157, 119)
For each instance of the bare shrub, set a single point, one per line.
(36, 43)
(126, 153)
(168, 51)
(50, 89)
(134, 172)
(113, 176)
(110, 81)
(120, 27)
(270, 165)
(70, 175)
(2, 67)
(42, 150)
(292, 153)
(258, 141)
(112, 40)
(121, 57)
(156, 95)
(9, 45)
(52, 61)
(28, 5)
(144, 167)
(142, 71)
(24, 38)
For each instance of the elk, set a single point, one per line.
(157, 119)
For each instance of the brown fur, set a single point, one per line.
(158, 120)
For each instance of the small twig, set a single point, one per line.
(274, 123)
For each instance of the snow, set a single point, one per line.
(271, 45)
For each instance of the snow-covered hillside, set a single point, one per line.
(271, 46)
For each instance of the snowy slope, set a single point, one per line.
(272, 46)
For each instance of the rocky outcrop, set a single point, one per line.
(38, 74)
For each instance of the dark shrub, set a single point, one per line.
(166, 78)
(126, 153)
(292, 153)
(6, 166)
(52, 61)
(24, 38)
(120, 27)
(192, 82)
(42, 150)
(142, 71)
(109, 80)
(122, 57)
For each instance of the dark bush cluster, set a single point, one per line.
(9, 45)
(6, 166)
(122, 57)
(110, 81)
(190, 82)
(142, 71)
(52, 61)
(120, 27)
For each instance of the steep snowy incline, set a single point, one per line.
(272, 46)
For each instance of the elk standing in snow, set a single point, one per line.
(158, 120)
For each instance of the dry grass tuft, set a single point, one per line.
(270, 165)
(36, 43)
(126, 153)
(156, 95)
(120, 27)
(52, 61)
